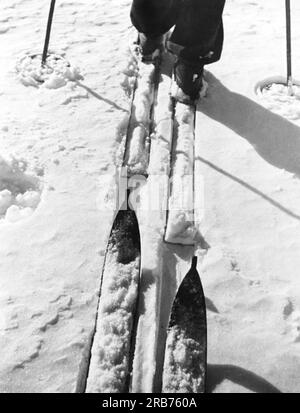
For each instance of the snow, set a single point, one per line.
(55, 73)
(29, 199)
(280, 100)
(54, 226)
(138, 139)
(20, 191)
(181, 359)
(180, 226)
(5, 200)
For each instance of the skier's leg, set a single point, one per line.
(197, 40)
(152, 19)
(198, 34)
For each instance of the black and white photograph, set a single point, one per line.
(149, 199)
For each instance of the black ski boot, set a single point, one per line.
(188, 81)
(151, 46)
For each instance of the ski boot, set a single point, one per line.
(188, 83)
(151, 46)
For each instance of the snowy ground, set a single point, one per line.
(56, 144)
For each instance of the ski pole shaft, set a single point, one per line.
(48, 32)
(288, 40)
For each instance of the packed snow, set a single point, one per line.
(182, 354)
(282, 100)
(138, 83)
(180, 227)
(161, 139)
(53, 74)
(54, 226)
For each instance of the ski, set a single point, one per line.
(180, 228)
(186, 344)
(109, 361)
(184, 208)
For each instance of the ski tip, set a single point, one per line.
(194, 263)
(187, 330)
(190, 294)
(125, 236)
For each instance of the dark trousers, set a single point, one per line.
(198, 31)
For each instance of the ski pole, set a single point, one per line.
(48, 32)
(289, 46)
